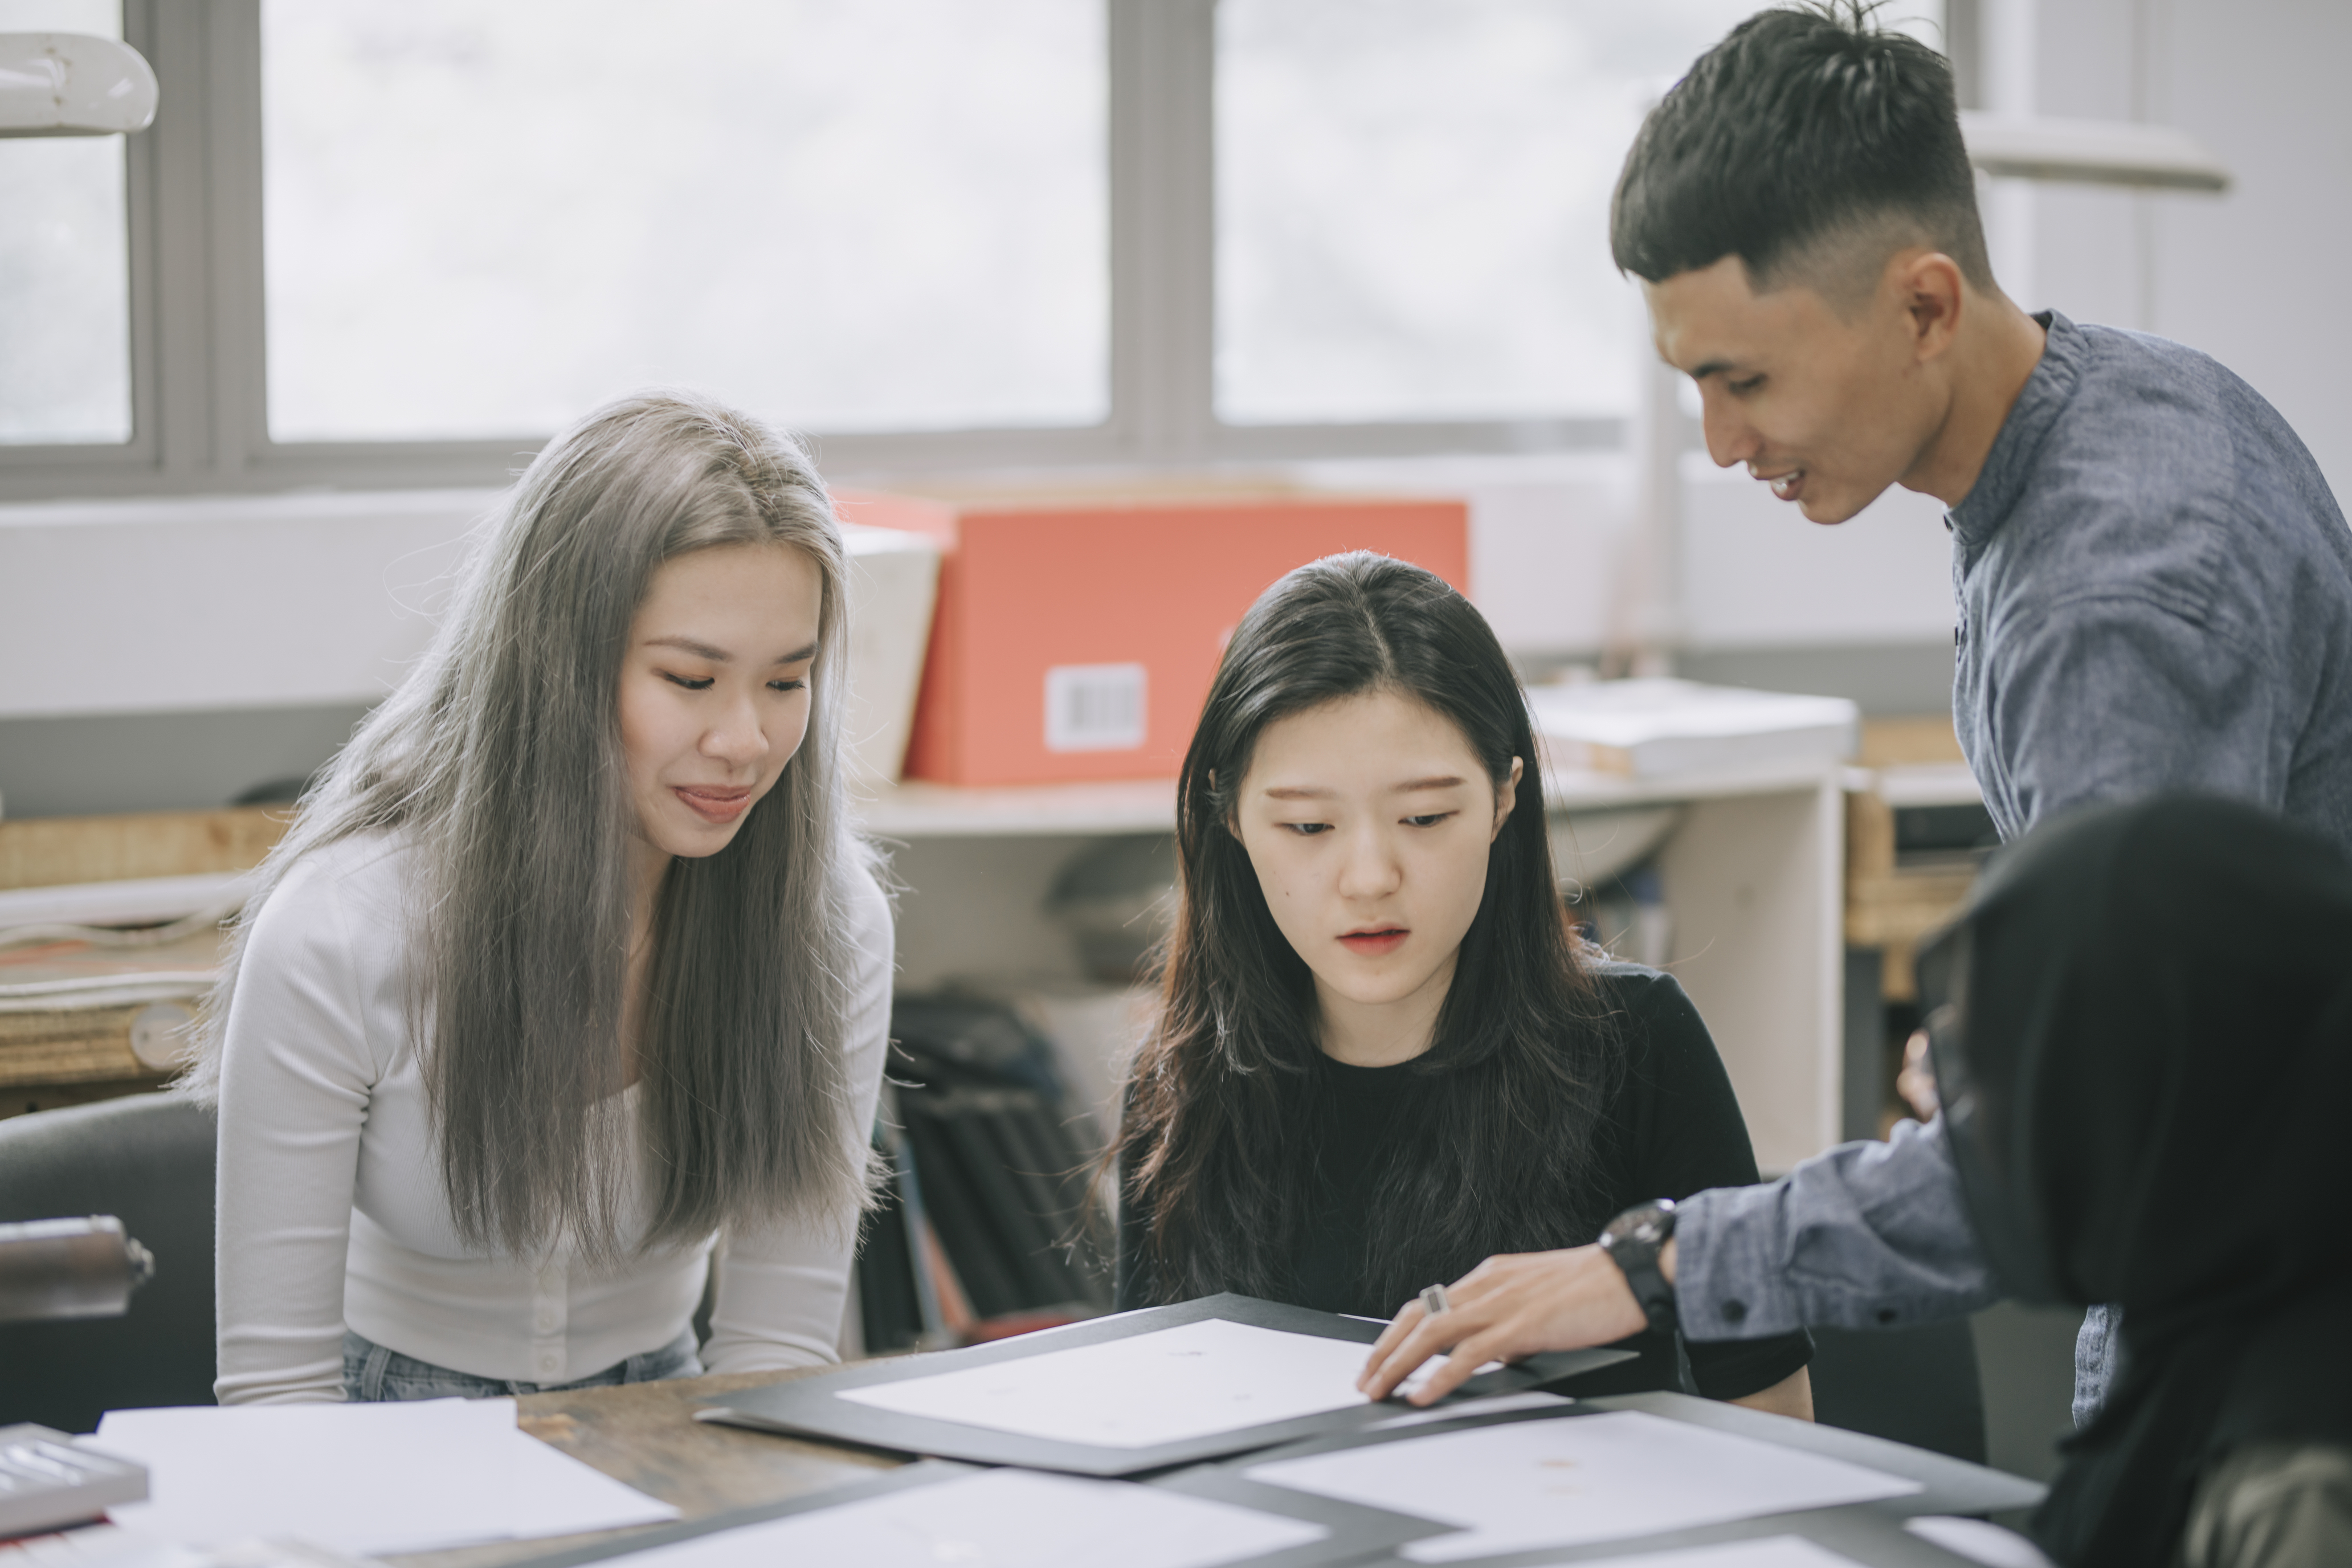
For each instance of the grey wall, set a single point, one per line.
(1882, 679)
(83, 765)
(2242, 275)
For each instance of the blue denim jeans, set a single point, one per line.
(372, 1371)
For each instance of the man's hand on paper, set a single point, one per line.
(1509, 1307)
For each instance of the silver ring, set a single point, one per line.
(1433, 1300)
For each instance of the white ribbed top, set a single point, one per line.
(331, 1205)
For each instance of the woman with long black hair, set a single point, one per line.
(1383, 1053)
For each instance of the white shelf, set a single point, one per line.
(948, 811)
(1754, 873)
(1918, 784)
(1149, 805)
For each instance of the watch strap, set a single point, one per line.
(1633, 1241)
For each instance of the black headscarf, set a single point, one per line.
(2142, 1032)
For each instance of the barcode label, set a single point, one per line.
(1094, 708)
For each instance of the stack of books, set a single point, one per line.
(986, 1230)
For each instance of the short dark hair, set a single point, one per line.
(1802, 126)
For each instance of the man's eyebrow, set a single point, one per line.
(720, 656)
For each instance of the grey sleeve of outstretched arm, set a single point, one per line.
(1866, 1234)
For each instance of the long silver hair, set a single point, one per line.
(499, 760)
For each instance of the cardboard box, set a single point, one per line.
(1075, 639)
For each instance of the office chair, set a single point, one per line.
(1916, 1385)
(148, 1160)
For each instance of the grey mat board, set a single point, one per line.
(1953, 1486)
(1950, 1486)
(1357, 1533)
(622, 1543)
(1873, 1540)
(810, 1406)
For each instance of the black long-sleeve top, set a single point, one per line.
(1673, 1128)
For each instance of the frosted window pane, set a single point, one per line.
(1412, 201)
(65, 269)
(483, 220)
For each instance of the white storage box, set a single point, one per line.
(1645, 728)
(894, 581)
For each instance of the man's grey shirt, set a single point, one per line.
(2155, 592)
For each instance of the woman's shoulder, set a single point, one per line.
(1649, 1007)
(323, 956)
(1675, 1107)
(1667, 1050)
(871, 919)
(334, 893)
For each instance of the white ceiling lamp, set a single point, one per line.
(73, 84)
(2091, 151)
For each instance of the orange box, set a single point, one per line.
(1076, 639)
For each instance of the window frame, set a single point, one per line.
(199, 410)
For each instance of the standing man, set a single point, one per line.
(2155, 590)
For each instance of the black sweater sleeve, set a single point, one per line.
(1675, 1129)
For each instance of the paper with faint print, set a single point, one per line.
(1770, 1552)
(366, 1479)
(1577, 1479)
(1003, 1518)
(1167, 1387)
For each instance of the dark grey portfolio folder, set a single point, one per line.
(813, 1406)
(1864, 1532)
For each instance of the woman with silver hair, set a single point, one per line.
(563, 981)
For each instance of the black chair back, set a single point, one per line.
(1916, 1385)
(148, 1160)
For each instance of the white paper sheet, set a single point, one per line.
(368, 1480)
(1000, 1518)
(111, 1546)
(1166, 1386)
(1566, 1482)
(97, 1546)
(1772, 1552)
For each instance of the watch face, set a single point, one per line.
(1642, 1228)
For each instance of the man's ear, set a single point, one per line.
(1506, 797)
(1933, 294)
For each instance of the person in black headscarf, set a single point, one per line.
(2141, 1028)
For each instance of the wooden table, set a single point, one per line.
(644, 1434)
